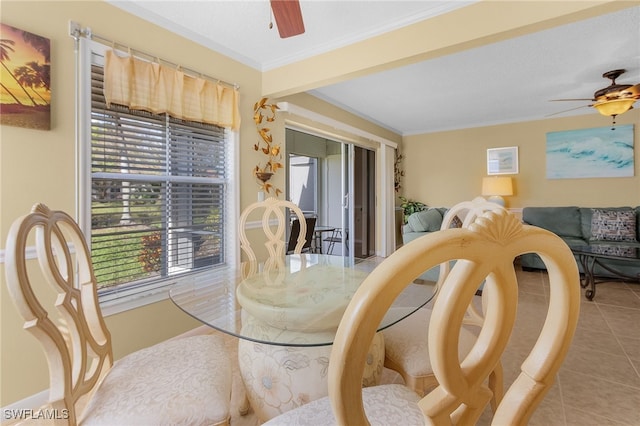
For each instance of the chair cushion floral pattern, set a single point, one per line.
(384, 405)
(282, 378)
(186, 378)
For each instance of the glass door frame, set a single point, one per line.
(384, 149)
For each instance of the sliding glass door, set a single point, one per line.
(364, 202)
(339, 179)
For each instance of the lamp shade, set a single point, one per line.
(497, 185)
(614, 107)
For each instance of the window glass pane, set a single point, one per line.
(158, 194)
(303, 176)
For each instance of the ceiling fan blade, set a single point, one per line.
(288, 17)
(567, 110)
(631, 92)
(563, 100)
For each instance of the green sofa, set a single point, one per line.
(577, 226)
(419, 224)
(422, 222)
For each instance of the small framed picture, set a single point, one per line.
(502, 161)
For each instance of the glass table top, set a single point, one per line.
(295, 301)
(611, 251)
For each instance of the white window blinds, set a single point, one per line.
(159, 195)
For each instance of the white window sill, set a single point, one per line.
(124, 304)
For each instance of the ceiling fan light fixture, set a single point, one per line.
(614, 107)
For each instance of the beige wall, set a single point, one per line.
(444, 168)
(38, 166)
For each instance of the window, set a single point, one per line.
(159, 196)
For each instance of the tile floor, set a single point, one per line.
(599, 382)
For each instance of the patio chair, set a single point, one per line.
(295, 233)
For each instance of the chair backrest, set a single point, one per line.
(462, 215)
(275, 243)
(76, 341)
(295, 233)
(485, 250)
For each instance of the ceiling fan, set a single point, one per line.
(614, 99)
(288, 17)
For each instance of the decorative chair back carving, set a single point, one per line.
(275, 244)
(484, 251)
(86, 386)
(466, 212)
(79, 352)
(406, 342)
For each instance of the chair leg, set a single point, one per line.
(496, 384)
(332, 241)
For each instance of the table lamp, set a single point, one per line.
(496, 187)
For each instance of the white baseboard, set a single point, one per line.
(31, 402)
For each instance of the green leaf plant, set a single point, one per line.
(410, 207)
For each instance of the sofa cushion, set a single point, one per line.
(587, 215)
(407, 237)
(613, 225)
(425, 221)
(562, 221)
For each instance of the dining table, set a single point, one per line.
(285, 313)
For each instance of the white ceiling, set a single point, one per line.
(508, 81)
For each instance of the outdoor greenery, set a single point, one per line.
(135, 252)
(150, 256)
(113, 270)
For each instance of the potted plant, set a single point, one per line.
(264, 113)
(409, 207)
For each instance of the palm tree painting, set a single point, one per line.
(25, 79)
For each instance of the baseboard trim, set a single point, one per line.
(31, 402)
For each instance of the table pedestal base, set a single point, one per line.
(281, 378)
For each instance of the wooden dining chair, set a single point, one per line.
(483, 251)
(406, 346)
(275, 244)
(179, 381)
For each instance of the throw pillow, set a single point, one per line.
(425, 221)
(456, 222)
(613, 225)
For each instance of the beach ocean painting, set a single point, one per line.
(25, 79)
(590, 153)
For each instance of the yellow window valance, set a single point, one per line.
(161, 89)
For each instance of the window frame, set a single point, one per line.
(129, 296)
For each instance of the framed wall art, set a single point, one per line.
(25, 94)
(598, 152)
(502, 161)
